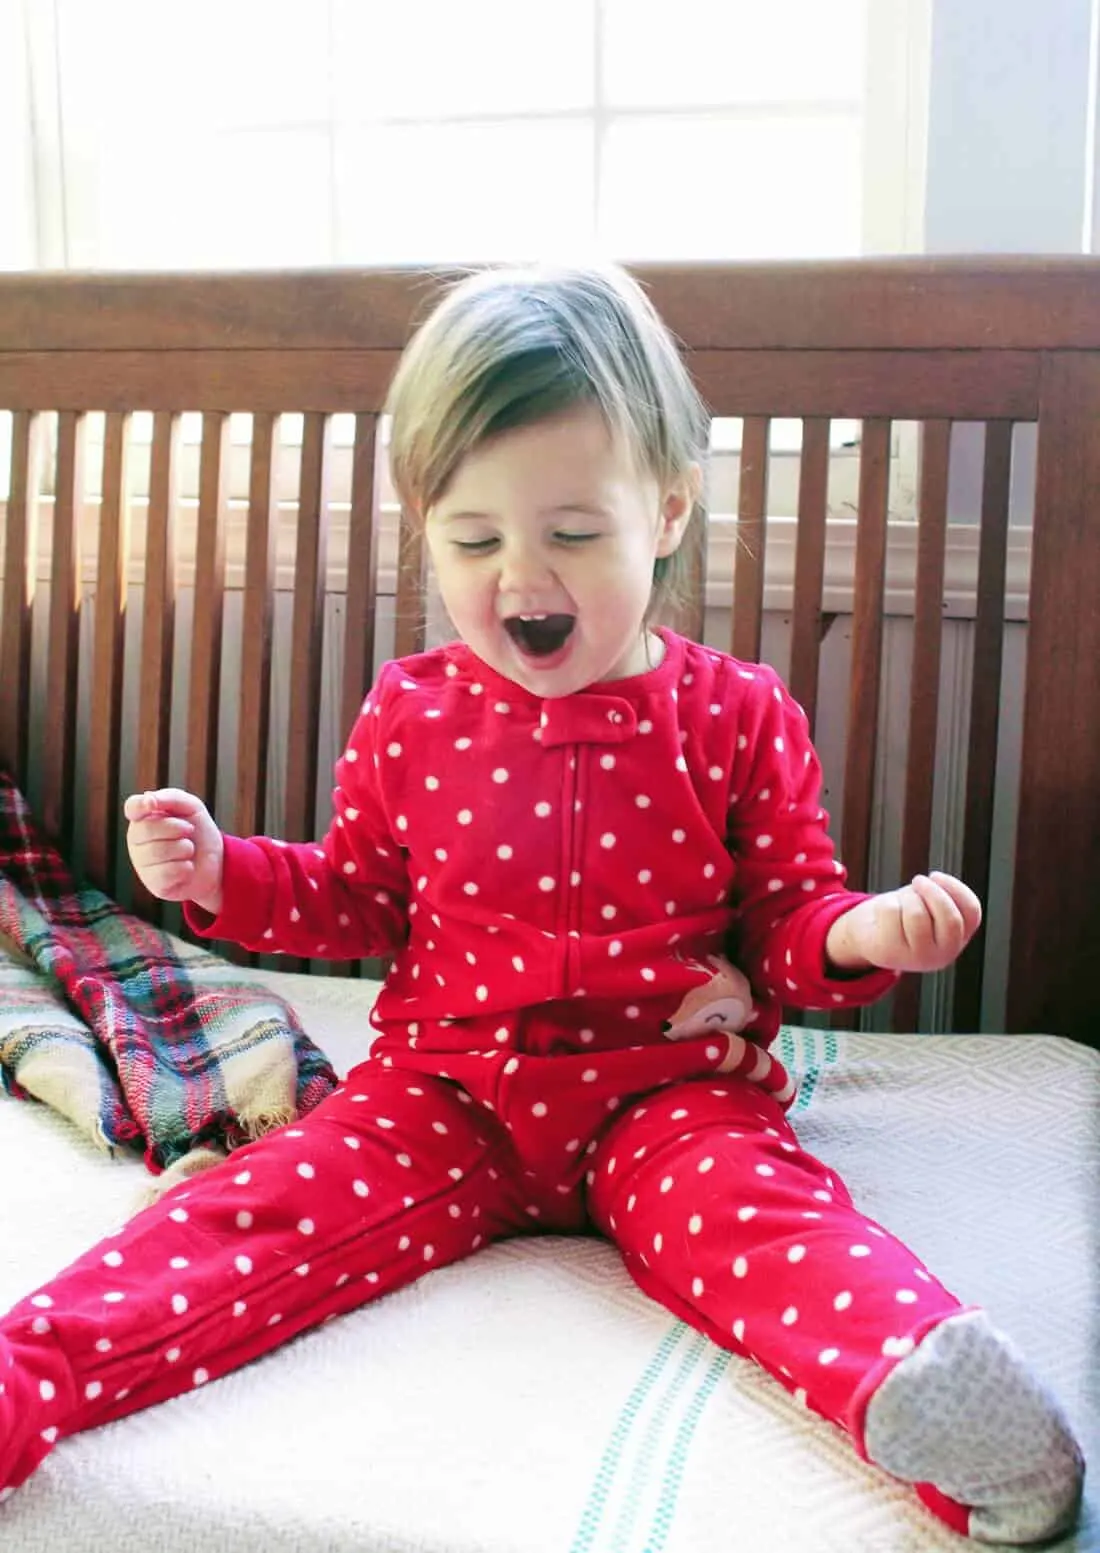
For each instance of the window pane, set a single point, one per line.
(239, 198)
(432, 58)
(428, 193)
(729, 51)
(708, 188)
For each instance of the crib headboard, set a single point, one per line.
(97, 698)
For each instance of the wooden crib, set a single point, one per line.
(998, 342)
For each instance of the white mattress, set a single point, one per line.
(531, 1400)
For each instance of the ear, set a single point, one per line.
(677, 505)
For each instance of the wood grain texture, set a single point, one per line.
(809, 566)
(66, 602)
(105, 725)
(924, 681)
(863, 695)
(1056, 904)
(985, 706)
(752, 535)
(20, 547)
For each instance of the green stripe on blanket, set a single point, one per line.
(631, 1506)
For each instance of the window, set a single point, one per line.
(363, 132)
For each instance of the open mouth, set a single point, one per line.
(539, 636)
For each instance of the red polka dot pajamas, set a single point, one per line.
(553, 879)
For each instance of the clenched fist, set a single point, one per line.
(921, 927)
(175, 847)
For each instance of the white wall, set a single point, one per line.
(1011, 145)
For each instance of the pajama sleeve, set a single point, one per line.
(788, 886)
(343, 898)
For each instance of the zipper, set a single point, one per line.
(568, 915)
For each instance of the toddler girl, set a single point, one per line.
(596, 855)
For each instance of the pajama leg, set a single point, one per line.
(722, 1216)
(392, 1175)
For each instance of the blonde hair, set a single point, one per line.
(509, 347)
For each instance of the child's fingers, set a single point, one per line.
(970, 907)
(948, 928)
(153, 832)
(162, 801)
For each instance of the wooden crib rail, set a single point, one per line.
(941, 343)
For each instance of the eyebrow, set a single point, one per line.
(583, 509)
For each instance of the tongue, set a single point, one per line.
(540, 637)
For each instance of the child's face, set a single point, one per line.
(543, 545)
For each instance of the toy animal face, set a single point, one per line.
(722, 1002)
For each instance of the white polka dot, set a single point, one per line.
(789, 1316)
(542, 809)
(765, 1170)
(644, 876)
(360, 1188)
(306, 1226)
(47, 1390)
(243, 1264)
(796, 1253)
(504, 852)
(178, 1215)
(695, 1224)
(200, 1377)
(859, 1251)
(843, 1300)
(897, 1347)
(745, 1214)
(500, 775)
(739, 1330)
(179, 1304)
(114, 1297)
(113, 1259)
(615, 947)
(463, 744)
(546, 884)
(828, 1355)
(740, 1267)
(658, 1241)
(93, 1389)
(906, 1297)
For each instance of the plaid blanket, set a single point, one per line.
(138, 1038)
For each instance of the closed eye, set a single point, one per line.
(574, 539)
(475, 546)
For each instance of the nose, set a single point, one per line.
(524, 569)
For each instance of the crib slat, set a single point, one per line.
(360, 604)
(809, 565)
(863, 697)
(253, 726)
(307, 636)
(748, 577)
(105, 734)
(66, 594)
(158, 627)
(20, 560)
(204, 690)
(362, 584)
(409, 604)
(985, 702)
(924, 697)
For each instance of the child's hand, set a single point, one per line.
(175, 847)
(921, 927)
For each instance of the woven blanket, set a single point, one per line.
(139, 1039)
